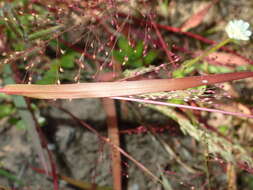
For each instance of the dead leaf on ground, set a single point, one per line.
(198, 17)
(222, 58)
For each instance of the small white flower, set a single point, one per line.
(51, 146)
(238, 30)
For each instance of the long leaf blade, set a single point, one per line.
(123, 88)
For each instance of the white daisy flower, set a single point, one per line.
(238, 30)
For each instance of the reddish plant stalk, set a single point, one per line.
(163, 44)
(113, 134)
(182, 106)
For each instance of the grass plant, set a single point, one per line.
(119, 51)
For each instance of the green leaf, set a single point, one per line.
(67, 61)
(10, 176)
(2, 22)
(218, 69)
(19, 46)
(4, 97)
(248, 179)
(135, 64)
(6, 110)
(119, 56)
(241, 68)
(51, 76)
(150, 57)
(138, 50)
(134, 55)
(125, 47)
(25, 21)
(200, 90)
(44, 32)
(223, 129)
(21, 125)
(179, 73)
(48, 79)
(176, 101)
(139, 63)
